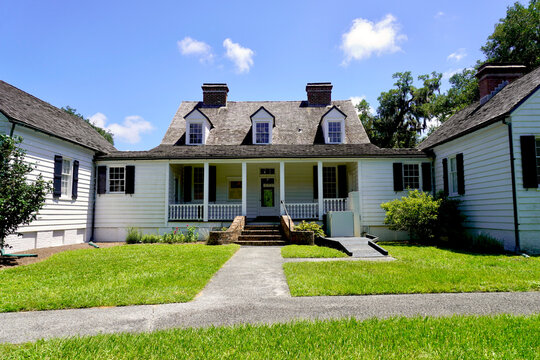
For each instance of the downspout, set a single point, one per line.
(514, 191)
(12, 130)
(94, 195)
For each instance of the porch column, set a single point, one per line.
(206, 190)
(281, 187)
(244, 189)
(320, 188)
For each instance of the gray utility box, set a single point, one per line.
(339, 223)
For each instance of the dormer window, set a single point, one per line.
(334, 132)
(333, 126)
(195, 133)
(262, 133)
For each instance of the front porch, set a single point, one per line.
(219, 191)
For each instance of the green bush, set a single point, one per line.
(133, 235)
(192, 235)
(450, 231)
(312, 226)
(175, 236)
(150, 238)
(415, 213)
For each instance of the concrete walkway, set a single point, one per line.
(251, 288)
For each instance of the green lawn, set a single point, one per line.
(418, 269)
(460, 337)
(122, 275)
(306, 251)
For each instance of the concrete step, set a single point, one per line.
(260, 237)
(261, 243)
(261, 232)
(262, 227)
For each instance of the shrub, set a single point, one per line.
(133, 236)
(175, 236)
(415, 213)
(450, 222)
(150, 238)
(192, 235)
(312, 226)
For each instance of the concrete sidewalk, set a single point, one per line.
(251, 288)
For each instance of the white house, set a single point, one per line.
(63, 148)
(488, 156)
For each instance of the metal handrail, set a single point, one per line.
(286, 213)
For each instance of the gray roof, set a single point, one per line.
(476, 116)
(366, 150)
(295, 123)
(27, 110)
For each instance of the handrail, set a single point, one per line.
(286, 213)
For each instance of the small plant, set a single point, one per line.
(150, 238)
(485, 243)
(192, 235)
(224, 228)
(312, 226)
(415, 213)
(133, 235)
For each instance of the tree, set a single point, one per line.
(516, 38)
(105, 133)
(403, 111)
(20, 198)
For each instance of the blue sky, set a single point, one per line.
(128, 65)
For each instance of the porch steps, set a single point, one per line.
(261, 235)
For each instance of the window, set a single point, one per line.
(329, 182)
(411, 176)
(262, 133)
(334, 132)
(198, 183)
(538, 159)
(116, 179)
(235, 189)
(267, 171)
(195, 133)
(66, 176)
(453, 176)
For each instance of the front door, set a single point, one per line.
(268, 205)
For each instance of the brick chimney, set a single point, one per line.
(492, 77)
(215, 94)
(319, 94)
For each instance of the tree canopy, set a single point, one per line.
(20, 198)
(105, 133)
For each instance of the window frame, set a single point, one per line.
(109, 168)
(340, 122)
(69, 177)
(537, 147)
(418, 175)
(452, 177)
(269, 124)
(229, 182)
(335, 184)
(188, 132)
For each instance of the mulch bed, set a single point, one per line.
(44, 253)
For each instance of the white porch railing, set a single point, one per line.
(224, 211)
(337, 204)
(303, 210)
(186, 211)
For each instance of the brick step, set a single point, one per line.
(261, 243)
(261, 227)
(260, 237)
(261, 232)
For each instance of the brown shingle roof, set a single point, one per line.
(22, 108)
(476, 115)
(264, 152)
(295, 122)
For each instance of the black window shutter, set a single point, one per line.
(212, 184)
(101, 179)
(187, 183)
(460, 174)
(445, 175)
(398, 176)
(315, 182)
(130, 179)
(75, 185)
(57, 180)
(528, 161)
(426, 176)
(342, 181)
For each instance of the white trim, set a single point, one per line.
(320, 188)
(254, 131)
(281, 187)
(244, 188)
(188, 131)
(70, 177)
(452, 190)
(108, 190)
(205, 191)
(340, 122)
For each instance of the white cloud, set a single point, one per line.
(356, 100)
(451, 72)
(189, 46)
(439, 14)
(242, 57)
(457, 55)
(366, 38)
(129, 131)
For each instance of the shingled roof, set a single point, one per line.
(366, 150)
(296, 123)
(476, 115)
(27, 110)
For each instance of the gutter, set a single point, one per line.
(94, 195)
(514, 191)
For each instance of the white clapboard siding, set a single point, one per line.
(525, 120)
(487, 202)
(62, 220)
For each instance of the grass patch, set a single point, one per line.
(459, 337)
(122, 275)
(418, 269)
(307, 251)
